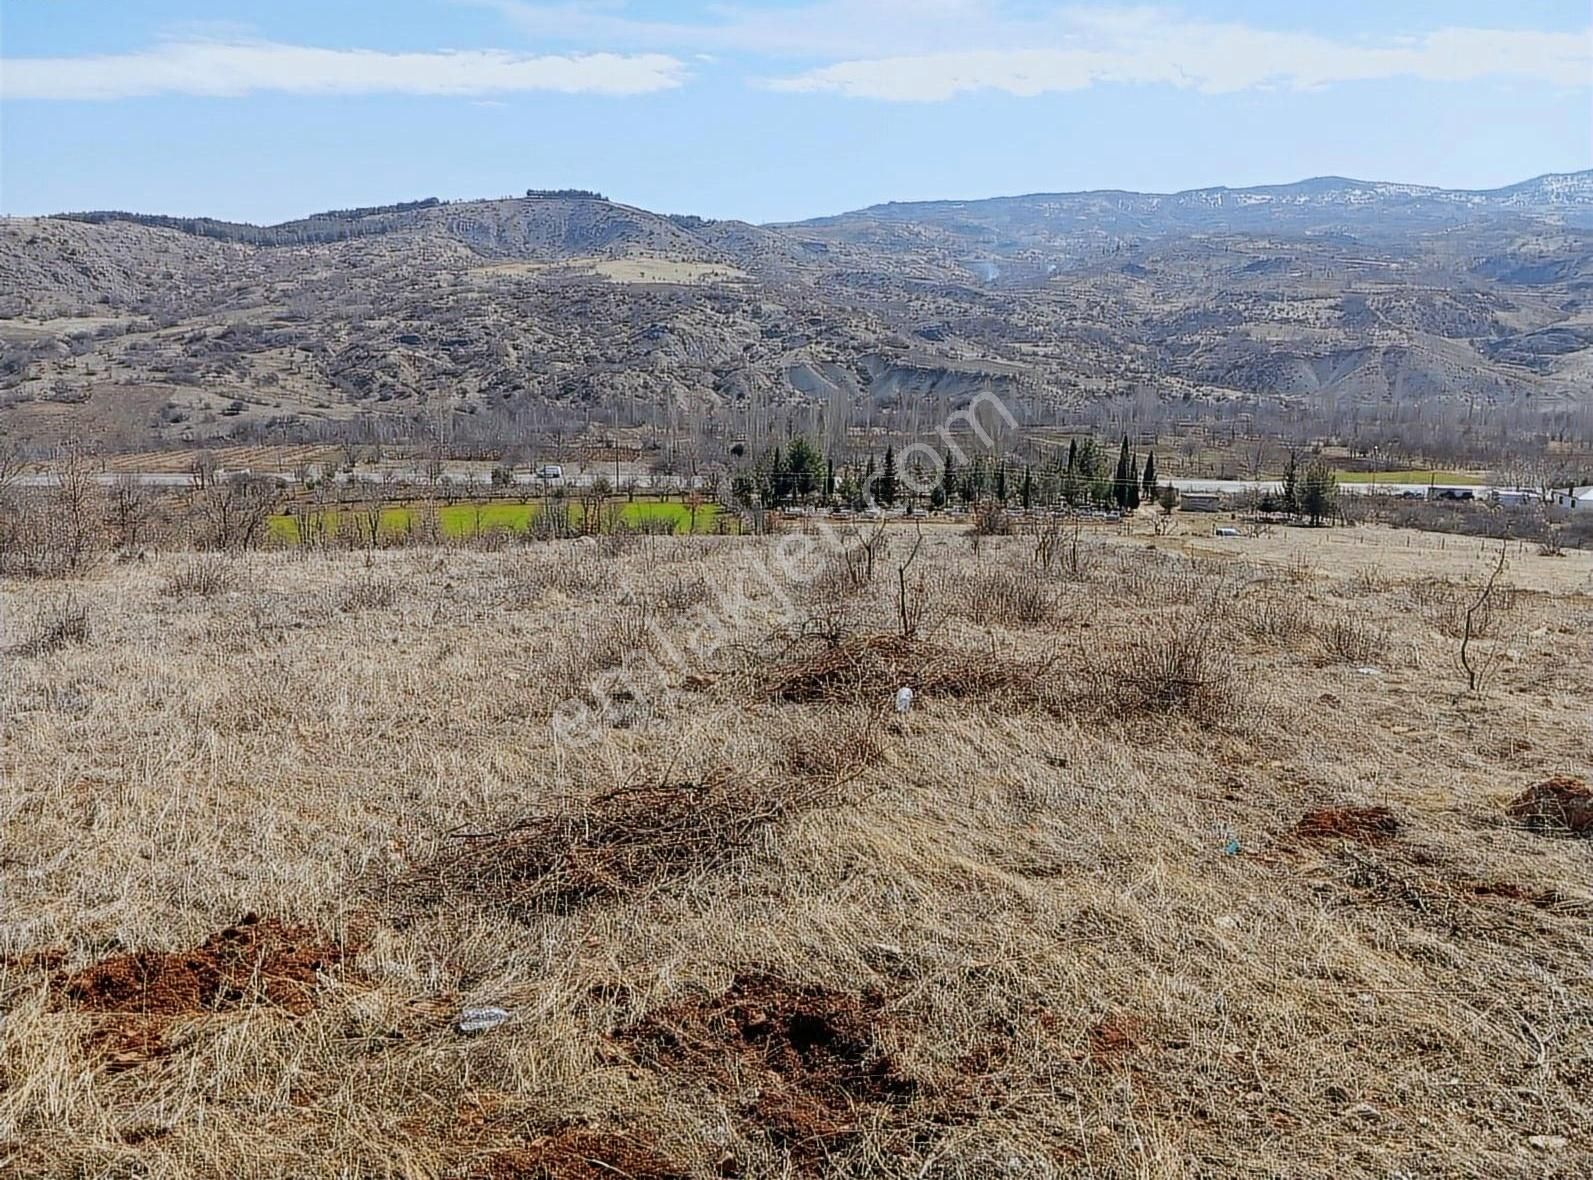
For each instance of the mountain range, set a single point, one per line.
(527, 314)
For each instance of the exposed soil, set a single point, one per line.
(1364, 825)
(1115, 1038)
(257, 961)
(804, 1060)
(580, 1153)
(1560, 804)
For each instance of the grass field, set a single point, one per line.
(1193, 857)
(1470, 478)
(458, 521)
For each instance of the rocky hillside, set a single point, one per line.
(539, 312)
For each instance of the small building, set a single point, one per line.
(1199, 502)
(1577, 499)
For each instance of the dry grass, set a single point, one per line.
(1077, 912)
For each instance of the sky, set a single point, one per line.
(263, 110)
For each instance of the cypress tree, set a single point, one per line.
(1148, 483)
(948, 480)
(1291, 485)
(1027, 494)
(885, 486)
(1120, 477)
(1001, 482)
(1073, 455)
(1131, 486)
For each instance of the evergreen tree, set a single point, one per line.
(829, 479)
(1120, 477)
(804, 469)
(1148, 483)
(1001, 481)
(1291, 486)
(885, 485)
(774, 481)
(1027, 494)
(1131, 485)
(1073, 455)
(948, 480)
(1319, 492)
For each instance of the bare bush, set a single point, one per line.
(1182, 666)
(1349, 638)
(1281, 619)
(61, 624)
(369, 593)
(200, 576)
(1004, 597)
(991, 519)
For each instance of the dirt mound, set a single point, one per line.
(1364, 825)
(580, 1153)
(138, 994)
(1558, 804)
(256, 961)
(617, 842)
(804, 1059)
(856, 666)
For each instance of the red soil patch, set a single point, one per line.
(580, 1153)
(1114, 1038)
(258, 960)
(1364, 825)
(806, 1054)
(1558, 804)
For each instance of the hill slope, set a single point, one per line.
(505, 315)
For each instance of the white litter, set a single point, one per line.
(904, 699)
(479, 1020)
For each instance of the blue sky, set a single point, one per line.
(766, 111)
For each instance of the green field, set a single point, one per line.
(1422, 478)
(459, 521)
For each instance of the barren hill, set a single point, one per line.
(501, 314)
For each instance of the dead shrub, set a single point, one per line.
(1183, 666)
(62, 624)
(1280, 619)
(681, 592)
(202, 576)
(991, 519)
(1008, 598)
(369, 593)
(1444, 605)
(572, 569)
(618, 842)
(1347, 638)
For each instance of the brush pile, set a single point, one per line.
(620, 841)
(874, 666)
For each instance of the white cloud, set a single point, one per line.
(1210, 58)
(927, 50)
(233, 68)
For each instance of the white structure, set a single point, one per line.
(1575, 499)
(1514, 497)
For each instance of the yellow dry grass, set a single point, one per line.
(1091, 939)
